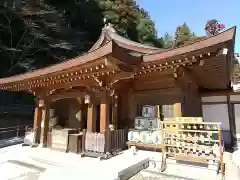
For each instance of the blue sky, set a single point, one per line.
(168, 14)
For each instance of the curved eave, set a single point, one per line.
(137, 49)
(109, 34)
(66, 65)
(228, 35)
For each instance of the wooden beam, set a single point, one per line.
(132, 107)
(45, 123)
(37, 122)
(72, 94)
(177, 109)
(104, 113)
(65, 95)
(114, 79)
(124, 57)
(154, 85)
(115, 101)
(154, 74)
(91, 118)
(66, 84)
(153, 79)
(185, 79)
(115, 64)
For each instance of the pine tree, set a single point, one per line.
(182, 34)
(168, 41)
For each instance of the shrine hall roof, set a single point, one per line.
(109, 40)
(109, 34)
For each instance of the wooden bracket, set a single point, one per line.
(184, 79)
(120, 76)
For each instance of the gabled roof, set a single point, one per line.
(78, 61)
(223, 37)
(110, 43)
(110, 34)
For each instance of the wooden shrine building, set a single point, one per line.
(111, 82)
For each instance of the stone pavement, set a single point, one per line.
(186, 172)
(24, 163)
(232, 171)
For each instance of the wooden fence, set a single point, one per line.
(115, 140)
(110, 142)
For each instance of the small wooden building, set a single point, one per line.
(110, 83)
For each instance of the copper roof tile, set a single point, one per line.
(225, 36)
(100, 50)
(110, 34)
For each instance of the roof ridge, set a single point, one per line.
(207, 37)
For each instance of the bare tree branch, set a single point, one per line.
(19, 42)
(9, 27)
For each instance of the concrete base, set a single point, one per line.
(45, 164)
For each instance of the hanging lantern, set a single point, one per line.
(41, 103)
(86, 99)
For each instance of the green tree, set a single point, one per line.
(146, 32)
(167, 41)
(35, 34)
(126, 16)
(183, 34)
(130, 21)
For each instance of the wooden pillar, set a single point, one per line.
(37, 122)
(132, 107)
(104, 113)
(177, 110)
(115, 111)
(91, 118)
(45, 123)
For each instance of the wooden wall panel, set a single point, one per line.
(75, 107)
(192, 105)
(123, 110)
(159, 97)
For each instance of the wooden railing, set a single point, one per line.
(17, 109)
(115, 140)
(110, 142)
(13, 131)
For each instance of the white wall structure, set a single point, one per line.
(214, 99)
(215, 109)
(217, 113)
(235, 100)
(237, 118)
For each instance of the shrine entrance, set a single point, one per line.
(68, 113)
(74, 109)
